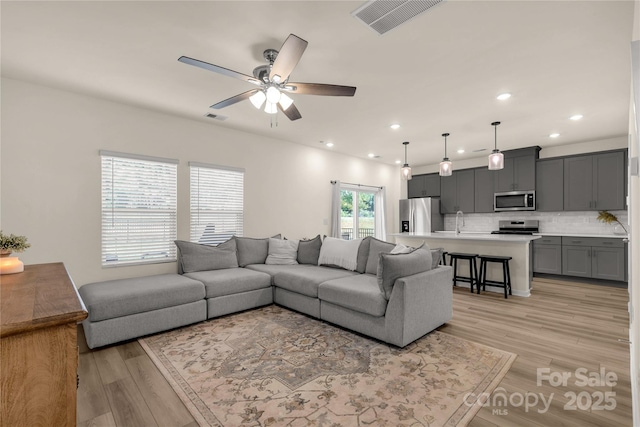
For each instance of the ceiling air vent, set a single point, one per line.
(385, 15)
(216, 116)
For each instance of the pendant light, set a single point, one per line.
(496, 158)
(445, 164)
(406, 169)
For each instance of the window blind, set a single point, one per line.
(217, 203)
(139, 209)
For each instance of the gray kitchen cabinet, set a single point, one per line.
(426, 185)
(547, 255)
(549, 187)
(457, 192)
(595, 182)
(598, 258)
(484, 189)
(519, 171)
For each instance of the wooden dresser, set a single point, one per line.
(40, 309)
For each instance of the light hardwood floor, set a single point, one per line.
(563, 326)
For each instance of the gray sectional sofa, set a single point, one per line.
(361, 285)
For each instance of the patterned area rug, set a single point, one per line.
(275, 367)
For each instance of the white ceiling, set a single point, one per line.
(439, 72)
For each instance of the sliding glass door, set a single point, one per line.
(357, 213)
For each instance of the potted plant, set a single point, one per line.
(609, 218)
(12, 243)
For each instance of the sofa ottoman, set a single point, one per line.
(129, 308)
(234, 289)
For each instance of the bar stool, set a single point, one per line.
(506, 274)
(473, 269)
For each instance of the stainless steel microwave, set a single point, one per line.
(514, 201)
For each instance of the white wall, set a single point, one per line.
(50, 174)
(553, 151)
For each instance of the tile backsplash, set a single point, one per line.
(550, 222)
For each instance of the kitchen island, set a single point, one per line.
(516, 246)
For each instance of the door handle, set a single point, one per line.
(589, 253)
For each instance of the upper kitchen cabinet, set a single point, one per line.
(549, 190)
(424, 186)
(457, 192)
(519, 171)
(595, 182)
(483, 182)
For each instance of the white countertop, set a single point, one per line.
(469, 235)
(606, 236)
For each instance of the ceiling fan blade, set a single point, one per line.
(235, 99)
(288, 57)
(292, 112)
(220, 70)
(321, 89)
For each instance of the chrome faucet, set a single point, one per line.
(459, 214)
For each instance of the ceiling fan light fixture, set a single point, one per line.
(273, 95)
(270, 108)
(285, 101)
(496, 158)
(257, 99)
(445, 165)
(405, 172)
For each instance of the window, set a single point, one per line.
(217, 203)
(357, 211)
(139, 209)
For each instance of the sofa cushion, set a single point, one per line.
(340, 253)
(375, 248)
(309, 251)
(395, 266)
(360, 293)
(231, 281)
(282, 252)
(252, 251)
(272, 269)
(118, 298)
(304, 279)
(197, 257)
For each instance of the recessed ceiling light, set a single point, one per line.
(395, 126)
(576, 117)
(329, 144)
(461, 150)
(554, 135)
(371, 155)
(503, 96)
(398, 162)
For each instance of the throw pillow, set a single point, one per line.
(436, 256)
(394, 266)
(282, 252)
(340, 253)
(196, 257)
(375, 248)
(363, 254)
(401, 249)
(309, 250)
(253, 251)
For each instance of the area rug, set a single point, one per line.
(275, 367)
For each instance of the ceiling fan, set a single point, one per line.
(273, 80)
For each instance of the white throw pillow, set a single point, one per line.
(401, 249)
(340, 253)
(282, 252)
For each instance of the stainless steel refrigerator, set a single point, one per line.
(420, 215)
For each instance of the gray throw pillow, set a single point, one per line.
(309, 250)
(375, 248)
(436, 256)
(394, 266)
(252, 251)
(363, 254)
(196, 257)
